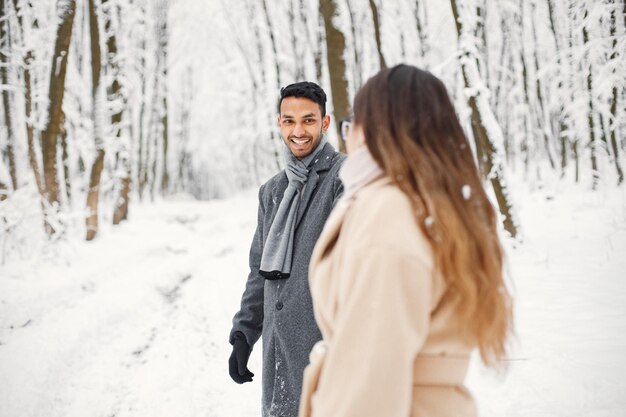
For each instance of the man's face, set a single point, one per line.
(301, 125)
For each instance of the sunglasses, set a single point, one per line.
(344, 128)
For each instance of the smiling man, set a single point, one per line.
(293, 207)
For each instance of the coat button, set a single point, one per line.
(279, 305)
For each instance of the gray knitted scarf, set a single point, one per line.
(278, 249)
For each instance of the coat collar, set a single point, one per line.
(333, 225)
(324, 160)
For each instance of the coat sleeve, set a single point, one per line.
(249, 319)
(381, 322)
(337, 190)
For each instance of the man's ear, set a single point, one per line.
(278, 120)
(325, 122)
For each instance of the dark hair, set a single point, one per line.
(305, 89)
(412, 131)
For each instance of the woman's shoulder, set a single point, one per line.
(383, 202)
(383, 216)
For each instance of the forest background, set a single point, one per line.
(104, 102)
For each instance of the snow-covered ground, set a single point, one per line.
(136, 323)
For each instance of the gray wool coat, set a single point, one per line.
(282, 310)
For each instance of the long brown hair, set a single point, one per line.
(412, 131)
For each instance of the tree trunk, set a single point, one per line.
(122, 162)
(4, 181)
(142, 140)
(501, 62)
(481, 112)
(120, 212)
(529, 116)
(154, 126)
(270, 29)
(30, 130)
(296, 50)
(356, 73)
(563, 132)
(335, 48)
(162, 63)
(184, 155)
(319, 59)
(421, 29)
(576, 161)
(376, 21)
(27, 60)
(65, 159)
(5, 51)
(590, 119)
(165, 177)
(613, 121)
(3, 191)
(93, 194)
(572, 87)
(481, 34)
(66, 11)
(540, 112)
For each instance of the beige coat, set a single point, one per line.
(391, 347)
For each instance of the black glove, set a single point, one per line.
(238, 361)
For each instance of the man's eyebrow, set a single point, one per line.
(306, 116)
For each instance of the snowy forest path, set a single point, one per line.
(143, 313)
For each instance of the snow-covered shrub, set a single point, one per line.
(21, 231)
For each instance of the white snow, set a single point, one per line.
(570, 297)
(466, 190)
(136, 323)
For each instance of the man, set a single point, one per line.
(293, 207)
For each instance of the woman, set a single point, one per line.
(406, 277)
